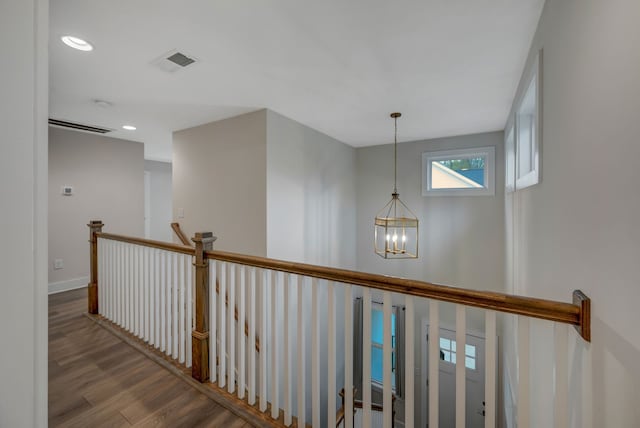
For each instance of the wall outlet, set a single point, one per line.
(67, 190)
(58, 264)
(180, 212)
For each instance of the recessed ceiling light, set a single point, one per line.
(129, 127)
(77, 43)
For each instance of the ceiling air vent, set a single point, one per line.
(78, 126)
(173, 61)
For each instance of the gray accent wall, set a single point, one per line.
(107, 176)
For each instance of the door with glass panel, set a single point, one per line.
(473, 359)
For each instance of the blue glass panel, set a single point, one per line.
(377, 326)
(376, 364)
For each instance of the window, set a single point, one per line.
(527, 131)
(377, 337)
(510, 159)
(465, 172)
(448, 353)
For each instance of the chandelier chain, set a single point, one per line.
(395, 155)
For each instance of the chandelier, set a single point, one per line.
(396, 227)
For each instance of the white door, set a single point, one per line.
(474, 362)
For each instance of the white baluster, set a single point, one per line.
(301, 354)
(169, 300)
(189, 327)
(561, 370)
(262, 278)
(366, 357)
(331, 355)
(146, 294)
(213, 315)
(434, 362)
(222, 353)
(286, 357)
(348, 356)
(386, 361)
(131, 289)
(315, 355)
(409, 365)
(523, 417)
(275, 403)
(121, 285)
(461, 374)
(231, 330)
(163, 300)
(107, 272)
(252, 336)
(137, 312)
(181, 309)
(175, 309)
(155, 284)
(100, 266)
(127, 287)
(490, 370)
(241, 336)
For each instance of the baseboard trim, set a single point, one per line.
(71, 284)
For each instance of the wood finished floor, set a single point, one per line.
(96, 380)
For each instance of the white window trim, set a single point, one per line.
(510, 157)
(489, 172)
(532, 177)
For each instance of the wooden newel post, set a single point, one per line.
(200, 335)
(95, 226)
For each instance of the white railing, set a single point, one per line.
(283, 337)
(149, 293)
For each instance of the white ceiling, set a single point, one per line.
(450, 66)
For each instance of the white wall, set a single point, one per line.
(311, 219)
(578, 228)
(310, 195)
(461, 237)
(160, 199)
(23, 222)
(219, 181)
(107, 176)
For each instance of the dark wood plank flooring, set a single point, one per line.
(97, 380)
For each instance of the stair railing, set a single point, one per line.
(163, 293)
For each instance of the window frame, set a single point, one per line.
(524, 179)
(489, 172)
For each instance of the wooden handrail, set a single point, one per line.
(168, 246)
(181, 236)
(577, 313)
